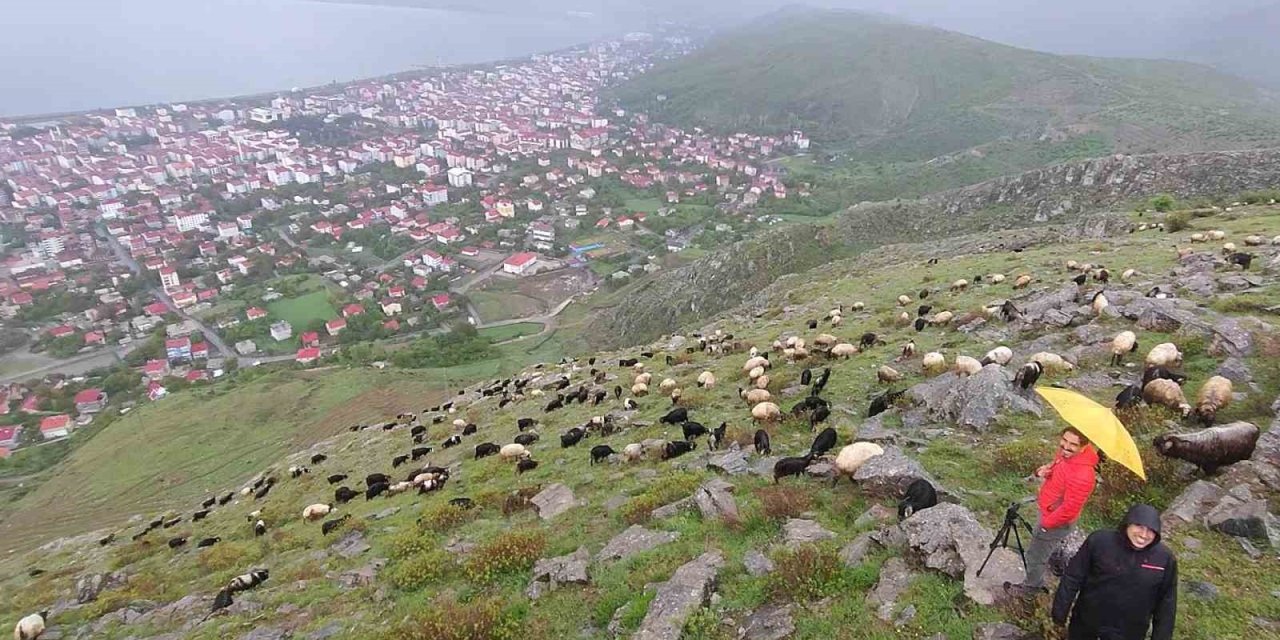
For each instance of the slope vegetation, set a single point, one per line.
(413, 566)
(894, 91)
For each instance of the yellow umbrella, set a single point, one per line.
(1098, 424)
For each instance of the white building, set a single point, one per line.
(281, 331)
(459, 177)
(186, 220)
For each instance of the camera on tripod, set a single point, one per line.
(1012, 520)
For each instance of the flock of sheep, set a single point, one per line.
(1160, 384)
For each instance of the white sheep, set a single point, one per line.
(844, 350)
(1199, 237)
(316, 511)
(1254, 240)
(904, 300)
(959, 285)
(761, 383)
(1228, 248)
(941, 318)
(966, 366)
(459, 423)
(1022, 281)
(996, 278)
(1052, 362)
(1216, 234)
(1124, 342)
(1128, 275)
(399, 487)
(852, 457)
(933, 362)
(667, 385)
(756, 396)
(707, 380)
(859, 306)
(644, 378)
(1000, 355)
(1165, 354)
(755, 373)
(1099, 303)
(30, 627)
(633, 452)
(513, 451)
(837, 321)
(1167, 393)
(887, 373)
(639, 390)
(1072, 265)
(766, 412)
(1214, 396)
(757, 361)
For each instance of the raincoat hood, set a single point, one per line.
(1145, 515)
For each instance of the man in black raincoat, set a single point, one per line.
(1123, 582)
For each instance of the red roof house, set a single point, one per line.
(308, 355)
(310, 339)
(58, 426)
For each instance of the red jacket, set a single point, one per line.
(1067, 488)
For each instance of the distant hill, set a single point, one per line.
(1244, 43)
(896, 91)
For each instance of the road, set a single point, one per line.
(124, 257)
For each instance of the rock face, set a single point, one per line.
(974, 401)
(797, 532)
(715, 502)
(636, 539)
(732, 462)
(351, 545)
(1191, 505)
(770, 622)
(756, 563)
(949, 539)
(888, 474)
(553, 501)
(550, 573)
(89, 586)
(687, 591)
(1245, 518)
(895, 577)
(999, 631)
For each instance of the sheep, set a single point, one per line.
(1199, 237)
(316, 511)
(1228, 248)
(792, 466)
(328, 526)
(526, 464)
(174, 543)
(904, 318)
(1129, 397)
(1099, 303)
(343, 495)
(526, 439)
(941, 318)
(242, 582)
(571, 437)
(1022, 281)
(1027, 375)
(30, 627)
(966, 366)
(259, 528)
(1000, 355)
(824, 342)
(882, 402)
(633, 452)
(452, 441)
(959, 285)
(837, 320)
(908, 350)
(1052, 362)
(376, 490)
(510, 452)
(1216, 235)
(336, 478)
(757, 361)
(996, 278)
(1124, 342)
(692, 430)
(904, 300)
(1165, 354)
(761, 442)
(675, 416)
(677, 448)
(706, 380)
(766, 412)
(486, 449)
(1166, 393)
(823, 442)
(1211, 448)
(1128, 275)
(1214, 395)
(375, 478)
(639, 390)
(600, 452)
(527, 423)
(887, 374)
(920, 495)
(1254, 241)
(399, 460)
(933, 362)
(629, 404)
(1243, 260)
(644, 378)
(852, 457)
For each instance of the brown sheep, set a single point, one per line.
(1211, 448)
(1213, 396)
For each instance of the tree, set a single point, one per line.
(1163, 202)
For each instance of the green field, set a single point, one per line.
(507, 332)
(494, 305)
(645, 205)
(304, 309)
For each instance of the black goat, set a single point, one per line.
(486, 449)
(571, 437)
(469, 429)
(761, 441)
(525, 423)
(1153, 372)
(717, 435)
(526, 464)
(199, 515)
(693, 429)
(376, 490)
(677, 448)
(600, 452)
(343, 495)
(375, 478)
(1242, 259)
(806, 377)
(920, 495)
(1130, 397)
(790, 467)
(452, 441)
(208, 542)
(526, 439)
(418, 452)
(318, 458)
(823, 443)
(399, 460)
(675, 416)
(208, 503)
(328, 526)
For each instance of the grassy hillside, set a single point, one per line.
(890, 91)
(435, 584)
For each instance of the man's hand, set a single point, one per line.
(1043, 471)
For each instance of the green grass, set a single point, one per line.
(504, 305)
(302, 310)
(510, 331)
(644, 205)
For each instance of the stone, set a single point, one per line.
(797, 532)
(716, 503)
(361, 577)
(733, 463)
(855, 552)
(820, 470)
(385, 513)
(267, 633)
(179, 610)
(1201, 590)
(1193, 503)
(873, 430)
(905, 616)
(1245, 519)
(459, 547)
(877, 514)
(553, 501)
(635, 539)
(756, 563)
(553, 572)
(890, 537)
(325, 632)
(673, 508)
(763, 466)
(89, 586)
(949, 538)
(888, 474)
(1249, 549)
(613, 504)
(351, 545)
(972, 402)
(895, 577)
(999, 631)
(770, 622)
(1236, 370)
(685, 592)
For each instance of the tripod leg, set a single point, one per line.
(1017, 537)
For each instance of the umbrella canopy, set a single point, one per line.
(1098, 424)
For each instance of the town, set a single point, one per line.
(149, 249)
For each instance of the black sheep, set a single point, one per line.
(677, 448)
(675, 416)
(882, 402)
(671, 362)
(806, 377)
(920, 324)
(336, 478)
(172, 522)
(486, 449)
(1027, 375)
(399, 460)
(328, 526)
(920, 495)
(437, 420)
(208, 542)
(420, 430)
(419, 452)
(1130, 397)
(208, 503)
(107, 540)
(761, 441)
(790, 467)
(227, 498)
(571, 437)
(469, 429)
(343, 495)
(808, 405)
(823, 443)
(261, 493)
(174, 543)
(525, 423)
(375, 490)
(1153, 372)
(820, 414)
(526, 464)
(617, 391)
(239, 583)
(600, 452)
(318, 458)
(813, 324)
(526, 439)
(1080, 279)
(693, 429)
(924, 293)
(1211, 448)
(1242, 259)
(558, 403)
(259, 528)
(868, 339)
(717, 435)
(598, 397)
(923, 310)
(627, 362)
(1009, 311)
(452, 441)
(376, 478)
(199, 515)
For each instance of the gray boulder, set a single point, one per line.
(351, 545)
(770, 622)
(553, 572)
(974, 401)
(1246, 519)
(716, 503)
(553, 501)
(756, 563)
(887, 475)
(999, 631)
(732, 462)
(797, 532)
(1192, 504)
(949, 539)
(895, 577)
(267, 633)
(89, 586)
(855, 552)
(687, 591)
(635, 539)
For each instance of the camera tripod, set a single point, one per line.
(1011, 521)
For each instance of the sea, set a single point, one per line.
(60, 56)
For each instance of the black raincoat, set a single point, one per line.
(1120, 592)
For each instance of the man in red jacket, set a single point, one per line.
(1068, 482)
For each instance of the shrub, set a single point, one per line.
(409, 542)
(1162, 203)
(1118, 488)
(509, 552)
(229, 555)
(416, 571)
(1020, 456)
(1176, 222)
(448, 619)
(131, 553)
(806, 573)
(638, 509)
(444, 516)
(780, 503)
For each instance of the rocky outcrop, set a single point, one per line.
(635, 539)
(797, 532)
(550, 573)
(553, 501)
(888, 474)
(686, 592)
(972, 401)
(770, 622)
(949, 539)
(895, 577)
